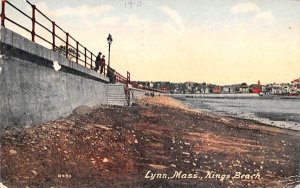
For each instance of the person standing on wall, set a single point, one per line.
(97, 61)
(102, 64)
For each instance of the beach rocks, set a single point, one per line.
(13, 152)
(2, 186)
(109, 143)
(105, 160)
(34, 172)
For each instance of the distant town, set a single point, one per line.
(291, 89)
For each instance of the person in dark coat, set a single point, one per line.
(102, 64)
(97, 61)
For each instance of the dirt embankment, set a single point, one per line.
(158, 139)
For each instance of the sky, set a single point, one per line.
(212, 41)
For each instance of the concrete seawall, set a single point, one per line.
(32, 92)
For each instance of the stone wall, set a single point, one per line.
(32, 91)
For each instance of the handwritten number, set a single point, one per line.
(131, 3)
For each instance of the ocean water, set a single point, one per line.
(280, 111)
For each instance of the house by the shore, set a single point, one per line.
(243, 88)
(216, 89)
(295, 87)
(255, 88)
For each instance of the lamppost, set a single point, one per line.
(109, 40)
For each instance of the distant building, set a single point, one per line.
(226, 89)
(243, 88)
(255, 88)
(276, 89)
(164, 88)
(295, 87)
(229, 89)
(216, 89)
(151, 84)
(296, 82)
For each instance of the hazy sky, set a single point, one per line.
(216, 41)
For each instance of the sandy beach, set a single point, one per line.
(157, 142)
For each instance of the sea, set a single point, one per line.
(280, 111)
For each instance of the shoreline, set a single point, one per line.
(247, 115)
(111, 146)
(245, 95)
(260, 125)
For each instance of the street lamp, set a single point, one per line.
(109, 40)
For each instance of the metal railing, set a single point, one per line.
(78, 52)
(71, 48)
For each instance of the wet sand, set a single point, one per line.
(279, 111)
(160, 139)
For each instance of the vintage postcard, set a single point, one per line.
(149, 93)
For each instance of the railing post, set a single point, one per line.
(84, 56)
(53, 35)
(67, 45)
(33, 23)
(3, 13)
(91, 60)
(77, 53)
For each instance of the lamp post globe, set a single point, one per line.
(109, 40)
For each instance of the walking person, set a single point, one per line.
(97, 62)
